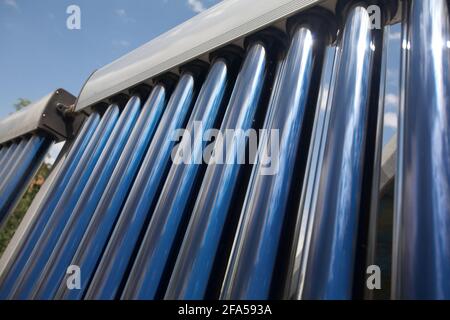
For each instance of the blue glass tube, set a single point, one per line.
(11, 158)
(7, 156)
(329, 273)
(308, 201)
(50, 276)
(20, 172)
(194, 263)
(137, 209)
(3, 150)
(421, 249)
(148, 269)
(89, 195)
(48, 204)
(68, 200)
(252, 260)
(96, 236)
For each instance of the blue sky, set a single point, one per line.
(39, 54)
(393, 84)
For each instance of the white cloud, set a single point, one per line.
(11, 3)
(390, 120)
(391, 100)
(121, 12)
(123, 15)
(120, 43)
(196, 5)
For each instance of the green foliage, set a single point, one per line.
(9, 228)
(21, 103)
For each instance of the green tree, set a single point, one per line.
(9, 228)
(21, 103)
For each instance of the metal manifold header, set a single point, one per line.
(49, 115)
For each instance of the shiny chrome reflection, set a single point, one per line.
(137, 209)
(47, 205)
(193, 267)
(255, 248)
(51, 274)
(61, 213)
(20, 171)
(305, 218)
(153, 262)
(379, 242)
(95, 238)
(10, 158)
(422, 240)
(329, 272)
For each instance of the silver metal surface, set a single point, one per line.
(42, 114)
(214, 28)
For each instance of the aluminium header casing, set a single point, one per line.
(210, 30)
(44, 115)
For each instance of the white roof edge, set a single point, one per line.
(213, 28)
